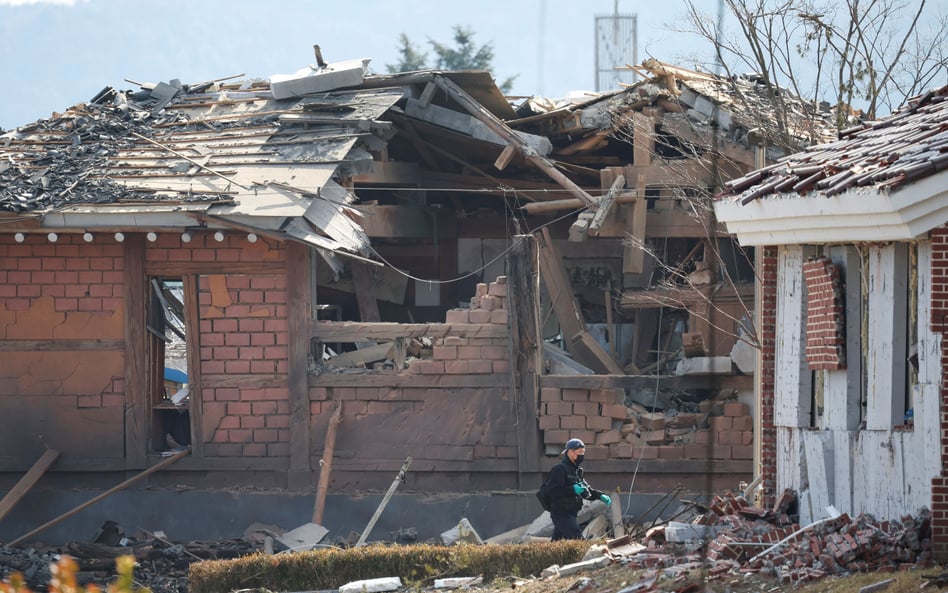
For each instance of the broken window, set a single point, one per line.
(167, 347)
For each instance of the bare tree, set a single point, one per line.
(870, 55)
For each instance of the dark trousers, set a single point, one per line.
(565, 527)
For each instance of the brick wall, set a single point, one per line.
(721, 430)
(67, 290)
(825, 324)
(939, 324)
(767, 272)
(243, 344)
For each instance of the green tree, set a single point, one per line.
(464, 54)
(410, 57)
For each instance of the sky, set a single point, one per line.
(56, 53)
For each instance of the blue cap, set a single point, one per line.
(573, 444)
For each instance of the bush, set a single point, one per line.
(332, 568)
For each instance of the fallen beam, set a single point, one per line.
(378, 512)
(105, 494)
(28, 480)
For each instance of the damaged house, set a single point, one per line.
(851, 250)
(346, 270)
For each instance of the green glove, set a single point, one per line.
(605, 498)
(579, 489)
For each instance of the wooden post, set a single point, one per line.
(378, 512)
(107, 493)
(299, 312)
(526, 352)
(137, 397)
(325, 464)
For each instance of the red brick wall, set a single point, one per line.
(939, 323)
(767, 272)
(825, 326)
(243, 344)
(66, 295)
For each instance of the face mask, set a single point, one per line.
(579, 459)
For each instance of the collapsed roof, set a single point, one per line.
(271, 154)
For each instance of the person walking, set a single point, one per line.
(567, 491)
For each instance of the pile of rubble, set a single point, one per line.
(734, 538)
(724, 539)
(162, 566)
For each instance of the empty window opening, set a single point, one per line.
(169, 390)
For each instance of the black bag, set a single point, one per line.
(543, 495)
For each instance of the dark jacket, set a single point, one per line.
(565, 501)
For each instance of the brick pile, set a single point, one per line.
(747, 539)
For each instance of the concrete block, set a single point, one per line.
(314, 80)
(456, 582)
(704, 365)
(372, 585)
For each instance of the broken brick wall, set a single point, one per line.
(825, 322)
(722, 430)
(62, 363)
(450, 410)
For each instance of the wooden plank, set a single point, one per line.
(394, 380)
(526, 353)
(843, 388)
(501, 129)
(247, 380)
(192, 329)
(346, 331)
(365, 293)
(298, 307)
(28, 480)
(165, 463)
(580, 344)
(627, 197)
(842, 472)
(643, 139)
(604, 206)
(137, 404)
(887, 311)
(325, 464)
(362, 357)
(792, 381)
(818, 485)
(633, 255)
(165, 268)
(738, 382)
(60, 345)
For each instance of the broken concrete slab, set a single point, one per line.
(462, 533)
(304, 537)
(314, 80)
(744, 356)
(372, 585)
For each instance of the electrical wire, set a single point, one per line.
(513, 244)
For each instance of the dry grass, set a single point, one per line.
(416, 565)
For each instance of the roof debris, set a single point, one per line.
(882, 155)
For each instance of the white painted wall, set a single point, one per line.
(878, 468)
